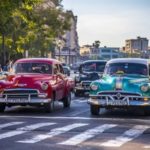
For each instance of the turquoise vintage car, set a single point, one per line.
(125, 84)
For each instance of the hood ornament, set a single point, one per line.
(21, 85)
(119, 83)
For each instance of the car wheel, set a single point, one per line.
(147, 111)
(2, 107)
(67, 100)
(94, 109)
(49, 107)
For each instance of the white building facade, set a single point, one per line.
(105, 53)
(69, 53)
(136, 45)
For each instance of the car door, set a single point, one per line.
(60, 82)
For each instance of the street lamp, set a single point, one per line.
(59, 44)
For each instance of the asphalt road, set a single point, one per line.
(28, 128)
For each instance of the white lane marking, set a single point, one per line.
(80, 101)
(82, 118)
(87, 134)
(9, 124)
(25, 129)
(78, 113)
(126, 136)
(147, 146)
(53, 133)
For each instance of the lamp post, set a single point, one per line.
(59, 44)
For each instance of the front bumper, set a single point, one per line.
(127, 101)
(83, 87)
(25, 101)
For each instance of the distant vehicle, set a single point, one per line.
(125, 84)
(88, 71)
(37, 82)
(66, 70)
(75, 67)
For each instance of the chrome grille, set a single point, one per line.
(86, 84)
(120, 92)
(20, 93)
(119, 95)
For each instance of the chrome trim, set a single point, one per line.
(23, 89)
(118, 91)
(28, 101)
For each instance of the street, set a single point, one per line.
(73, 128)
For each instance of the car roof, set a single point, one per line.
(93, 61)
(129, 60)
(48, 60)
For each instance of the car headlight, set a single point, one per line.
(144, 88)
(44, 86)
(94, 87)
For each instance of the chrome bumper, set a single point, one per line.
(108, 100)
(25, 101)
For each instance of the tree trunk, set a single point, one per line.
(3, 48)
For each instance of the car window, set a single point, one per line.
(126, 68)
(56, 69)
(33, 68)
(93, 66)
(61, 69)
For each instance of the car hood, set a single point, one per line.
(26, 81)
(127, 83)
(89, 76)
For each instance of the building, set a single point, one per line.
(105, 53)
(139, 45)
(69, 52)
(85, 50)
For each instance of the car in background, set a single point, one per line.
(36, 82)
(125, 84)
(88, 71)
(66, 68)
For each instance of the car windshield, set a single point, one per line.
(126, 68)
(33, 68)
(93, 66)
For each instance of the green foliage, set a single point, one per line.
(31, 25)
(96, 44)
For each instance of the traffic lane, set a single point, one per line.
(79, 107)
(93, 135)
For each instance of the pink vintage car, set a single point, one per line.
(37, 82)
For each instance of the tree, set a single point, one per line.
(31, 25)
(7, 8)
(96, 44)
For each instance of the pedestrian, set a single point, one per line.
(1, 68)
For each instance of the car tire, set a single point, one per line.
(147, 111)
(67, 100)
(2, 107)
(94, 110)
(49, 107)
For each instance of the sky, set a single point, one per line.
(110, 21)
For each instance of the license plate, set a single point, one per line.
(117, 103)
(17, 100)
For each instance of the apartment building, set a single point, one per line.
(136, 45)
(105, 53)
(69, 52)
